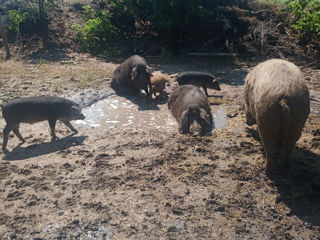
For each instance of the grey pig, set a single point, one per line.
(191, 109)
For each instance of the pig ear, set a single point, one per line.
(73, 107)
(149, 71)
(205, 116)
(134, 73)
(184, 126)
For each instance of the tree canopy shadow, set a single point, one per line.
(226, 70)
(48, 54)
(36, 150)
(300, 188)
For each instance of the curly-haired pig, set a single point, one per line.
(199, 79)
(36, 109)
(277, 100)
(132, 76)
(191, 109)
(158, 82)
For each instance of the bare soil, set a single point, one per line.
(139, 182)
(145, 183)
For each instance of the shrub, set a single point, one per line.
(16, 17)
(170, 25)
(306, 15)
(29, 16)
(97, 30)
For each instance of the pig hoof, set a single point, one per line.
(75, 131)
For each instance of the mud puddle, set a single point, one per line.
(119, 112)
(219, 118)
(116, 111)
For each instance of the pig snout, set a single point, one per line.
(74, 114)
(81, 116)
(216, 85)
(195, 128)
(198, 122)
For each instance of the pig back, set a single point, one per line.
(194, 77)
(33, 109)
(122, 76)
(275, 80)
(187, 96)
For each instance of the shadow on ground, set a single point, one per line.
(36, 150)
(48, 54)
(143, 102)
(300, 188)
(227, 70)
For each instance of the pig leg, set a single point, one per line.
(16, 131)
(147, 92)
(52, 124)
(270, 149)
(288, 147)
(151, 92)
(205, 90)
(68, 124)
(6, 132)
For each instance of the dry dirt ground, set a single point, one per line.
(144, 183)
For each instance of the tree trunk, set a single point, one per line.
(42, 21)
(3, 32)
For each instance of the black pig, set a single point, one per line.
(132, 75)
(203, 79)
(36, 109)
(191, 109)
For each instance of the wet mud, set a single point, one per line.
(144, 180)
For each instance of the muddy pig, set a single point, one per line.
(203, 79)
(132, 76)
(277, 100)
(191, 109)
(36, 109)
(158, 82)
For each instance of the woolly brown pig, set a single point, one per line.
(157, 82)
(277, 100)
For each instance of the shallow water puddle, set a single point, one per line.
(116, 111)
(219, 118)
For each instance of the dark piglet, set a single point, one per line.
(36, 109)
(191, 109)
(199, 79)
(132, 75)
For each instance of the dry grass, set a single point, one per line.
(20, 79)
